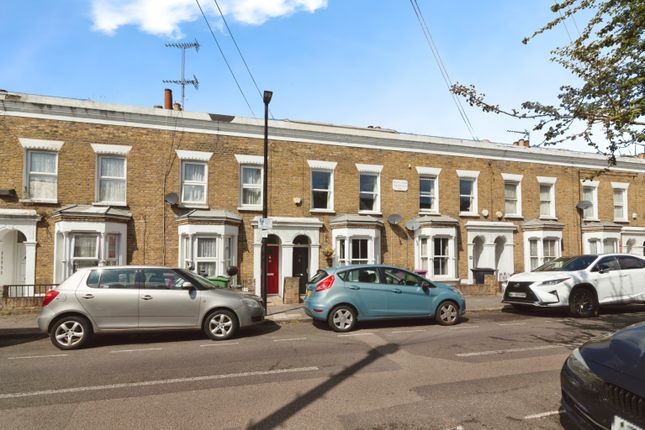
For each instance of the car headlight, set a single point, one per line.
(251, 303)
(554, 281)
(579, 369)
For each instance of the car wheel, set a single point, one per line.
(342, 318)
(220, 324)
(70, 332)
(583, 303)
(447, 313)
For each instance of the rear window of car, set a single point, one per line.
(319, 276)
(627, 262)
(112, 278)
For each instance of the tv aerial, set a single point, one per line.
(182, 82)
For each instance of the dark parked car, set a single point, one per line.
(603, 382)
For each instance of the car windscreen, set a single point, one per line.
(319, 276)
(201, 281)
(567, 264)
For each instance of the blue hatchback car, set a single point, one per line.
(344, 295)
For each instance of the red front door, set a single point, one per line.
(273, 270)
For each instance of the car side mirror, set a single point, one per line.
(425, 285)
(187, 286)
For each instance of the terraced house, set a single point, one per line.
(84, 183)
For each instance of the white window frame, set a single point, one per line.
(100, 177)
(204, 183)
(622, 188)
(540, 237)
(428, 234)
(97, 246)
(516, 180)
(433, 174)
(112, 261)
(445, 257)
(226, 235)
(593, 216)
(546, 258)
(469, 175)
(326, 167)
(424, 257)
(550, 182)
(38, 145)
(534, 258)
(363, 260)
(342, 237)
(601, 237)
(193, 157)
(250, 162)
(217, 259)
(371, 170)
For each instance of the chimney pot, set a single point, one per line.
(176, 106)
(167, 101)
(523, 143)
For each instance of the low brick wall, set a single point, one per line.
(489, 287)
(20, 302)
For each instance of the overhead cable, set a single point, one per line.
(224, 57)
(442, 67)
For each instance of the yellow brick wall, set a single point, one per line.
(152, 162)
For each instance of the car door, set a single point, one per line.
(166, 300)
(363, 285)
(110, 298)
(607, 277)
(633, 276)
(409, 296)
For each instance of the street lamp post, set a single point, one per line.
(265, 194)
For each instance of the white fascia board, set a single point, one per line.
(111, 149)
(588, 183)
(250, 159)
(193, 155)
(322, 165)
(46, 145)
(429, 171)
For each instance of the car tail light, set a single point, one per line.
(49, 296)
(325, 284)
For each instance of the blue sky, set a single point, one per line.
(355, 62)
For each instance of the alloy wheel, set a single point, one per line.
(343, 319)
(220, 325)
(69, 333)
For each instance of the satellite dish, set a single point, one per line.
(171, 198)
(584, 204)
(394, 219)
(412, 225)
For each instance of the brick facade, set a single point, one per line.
(153, 171)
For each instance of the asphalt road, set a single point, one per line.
(496, 370)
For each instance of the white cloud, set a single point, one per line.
(164, 17)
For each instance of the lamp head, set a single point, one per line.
(267, 96)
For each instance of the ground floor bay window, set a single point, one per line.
(601, 238)
(208, 241)
(89, 243)
(542, 242)
(356, 239)
(435, 247)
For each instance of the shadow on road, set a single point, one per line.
(393, 323)
(277, 418)
(17, 336)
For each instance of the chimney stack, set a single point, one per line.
(522, 143)
(167, 101)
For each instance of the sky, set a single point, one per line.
(346, 62)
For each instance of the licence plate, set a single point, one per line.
(622, 424)
(518, 295)
(309, 293)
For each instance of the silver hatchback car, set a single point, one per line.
(138, 298)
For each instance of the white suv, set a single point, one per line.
(582, 283)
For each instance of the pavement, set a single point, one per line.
(277, 312)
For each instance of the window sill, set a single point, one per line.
(591, 220)
(250, 208)
(514, 217)
(116, 204)
(34, 201)
(192, 206)
(429, 212)
(469, 214)
(548, 218)
(322, 211)
(378, 213)
(622, 221)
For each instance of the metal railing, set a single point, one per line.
(25, 291)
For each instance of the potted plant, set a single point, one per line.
(328, 252)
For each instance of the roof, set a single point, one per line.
(93, 211)
(88, 111)
(209, 215)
